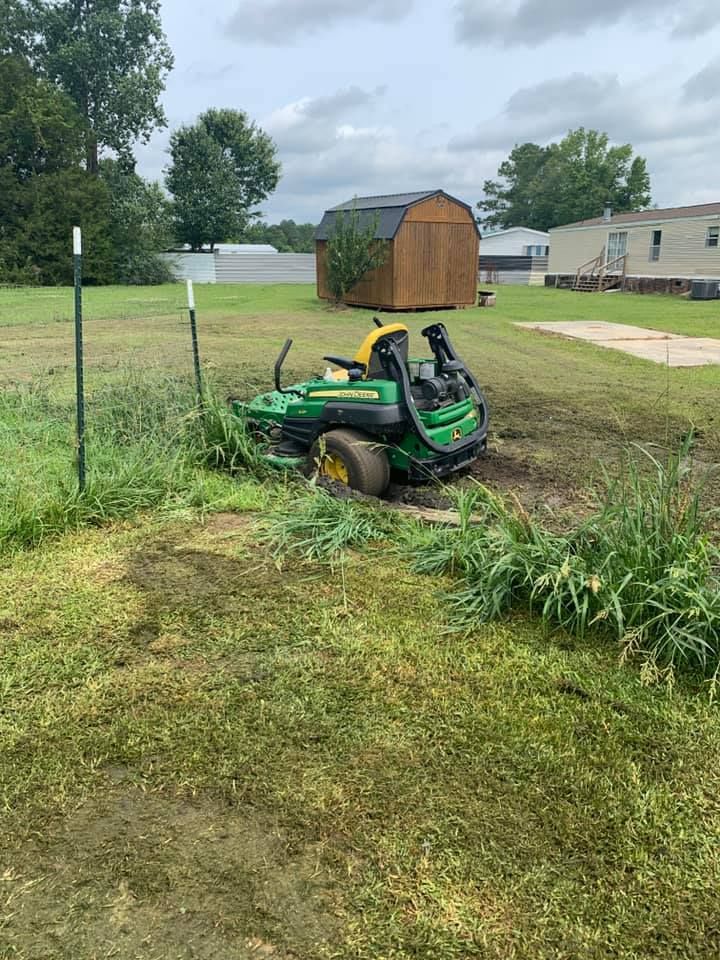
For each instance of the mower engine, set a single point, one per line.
(433, 391)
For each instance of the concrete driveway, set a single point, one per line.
(660, 347)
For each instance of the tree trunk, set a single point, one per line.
(91, 155)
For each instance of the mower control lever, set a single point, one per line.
(278, 367)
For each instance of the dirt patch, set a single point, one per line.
(139, 876)
(220, 525)
(168, 569)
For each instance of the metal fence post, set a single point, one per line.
(79, 377)
(193, 334)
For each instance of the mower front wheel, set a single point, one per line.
(352, 458)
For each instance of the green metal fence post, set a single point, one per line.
(193, 335)
(79, 377)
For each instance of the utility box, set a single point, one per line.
(704, 290)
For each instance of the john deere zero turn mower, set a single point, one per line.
(379, 411)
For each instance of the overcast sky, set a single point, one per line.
(382, 96)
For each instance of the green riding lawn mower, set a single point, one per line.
(379, 412)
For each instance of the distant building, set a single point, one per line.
(652, 250)
(516, 242)
(517, 255)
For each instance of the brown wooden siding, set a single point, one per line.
(435, 264)
(438, 210)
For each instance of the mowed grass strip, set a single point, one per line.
(203, 749)
(558, 407)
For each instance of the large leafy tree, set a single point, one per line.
(111, 58)
(543, 187)
(44, 192)
(221, 167)
(140, 225)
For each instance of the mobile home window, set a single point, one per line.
(655, 241)
(712, 236)
(617, 245)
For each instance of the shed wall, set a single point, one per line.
(435, 264)
(682, 251)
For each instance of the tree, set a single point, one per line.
(56, 203)
(111, 58)
(286, 236)
(352, 251)
(140, 225)
(221, 167)
(43, 190)
(16, 27)
(543, 187)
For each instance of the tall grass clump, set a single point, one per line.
(317, 526)
(223, 441)
(642, 568)
(148, 444)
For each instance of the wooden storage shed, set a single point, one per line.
(432, 256)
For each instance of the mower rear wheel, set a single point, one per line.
(352, 458)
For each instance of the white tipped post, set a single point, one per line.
(193, 336)
(79, 378)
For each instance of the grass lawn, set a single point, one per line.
(207, 752)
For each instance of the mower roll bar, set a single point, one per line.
(439, 340)
(390, 357)
(278, 368)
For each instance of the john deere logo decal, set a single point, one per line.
(457, 434)
(346, 394)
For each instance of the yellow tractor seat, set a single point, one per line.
(364, 354)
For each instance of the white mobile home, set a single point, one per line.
(655, 250)
(516, 255)
(516, 242)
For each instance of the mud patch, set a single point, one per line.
(136, 875)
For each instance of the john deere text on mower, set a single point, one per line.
(380, 411)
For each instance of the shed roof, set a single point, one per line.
(391, 208)
(667, 213)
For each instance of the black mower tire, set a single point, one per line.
(367, 463)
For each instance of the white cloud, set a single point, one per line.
(535, 22)
(641, 113)
(703, 86)
(311, 124)
(283, 22)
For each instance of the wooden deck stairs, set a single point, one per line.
(597, 275)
